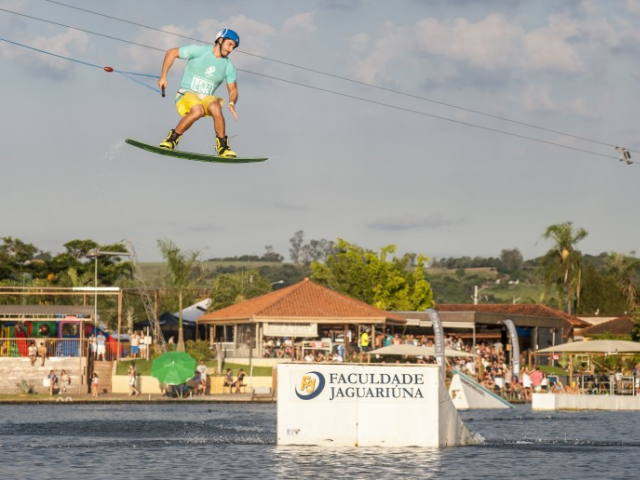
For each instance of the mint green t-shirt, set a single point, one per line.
(204, 72)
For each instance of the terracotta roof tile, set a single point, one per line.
(304, 299)
(523, 309)
(618, 326)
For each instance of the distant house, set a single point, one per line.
(308, 311)
(619, 327)
(538, 326)
(303, 311)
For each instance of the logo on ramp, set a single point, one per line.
(311, 385)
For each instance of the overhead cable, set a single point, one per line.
(354, 97)
(347, 79)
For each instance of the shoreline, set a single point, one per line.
(108, 398)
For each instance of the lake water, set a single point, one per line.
(230, 441)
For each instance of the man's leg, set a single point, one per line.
(196, 112)
(219, 125)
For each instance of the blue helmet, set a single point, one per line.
(230, 34)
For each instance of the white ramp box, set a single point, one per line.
(467, 394)
(567, 401)
(366, 405)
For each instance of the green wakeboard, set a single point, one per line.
(198, 157)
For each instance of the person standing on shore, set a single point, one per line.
(65, 381)
(53, 381)
(536, 379)
(93, 345)
(202, 369)
(526, 384)
(134, 341)
(42, 353)
(33, 353)
(133, 375)
(240, 380)
(94, 385)
(101, 341)
(228, 380)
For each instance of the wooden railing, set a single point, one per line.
(55, 347)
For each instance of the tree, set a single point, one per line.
(511, 259)
(317, 251)
(179, 276)
(635, 333)
(287, 272)
(296, 246)
(561, 266)
(271, 255)
(623, 269)
(78, 256)
(374, 278)
(600, 293)
(80, 248)
(232, 288)
(15, 255)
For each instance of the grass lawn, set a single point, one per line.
(553, 370)
(144, 368)
(30, 396)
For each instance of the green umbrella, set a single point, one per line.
(173, 368)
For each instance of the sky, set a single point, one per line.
(384, 123)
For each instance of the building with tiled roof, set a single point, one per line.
(302, 310)
(523, 315)
(538, 326)
(618, 327)
(307, 310)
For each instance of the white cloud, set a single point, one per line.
(62, 44)
(146, 60)
(564, 44)
(489, 44)
(549, 48)
(537, 98)
(492, 44)
(499, 52)
(389, 44)
(10, 22)
(14, 5)
(254, 37)
(66, 44)
(633, 6)
(360, 41)
(300, 26)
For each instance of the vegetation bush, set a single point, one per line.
(25, 387)
(198, 349)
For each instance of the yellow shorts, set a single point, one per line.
(187, 100)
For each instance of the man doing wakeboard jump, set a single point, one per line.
(206, 69)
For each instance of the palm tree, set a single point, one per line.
(232, 288)
(561, 266)
(179, 276)
(623, 268)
